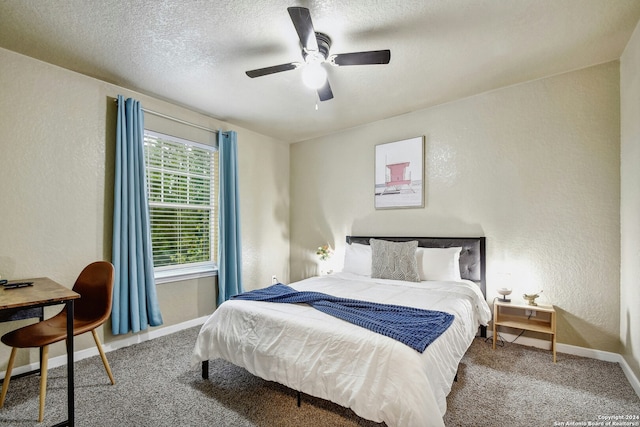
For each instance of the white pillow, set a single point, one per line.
(357, 259)
(439, 264)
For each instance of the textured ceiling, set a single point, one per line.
(195, 52)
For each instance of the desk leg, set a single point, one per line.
(70, 382)
(42, 320)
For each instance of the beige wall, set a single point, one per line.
(533, 167)
(630, 202)
(57, 137)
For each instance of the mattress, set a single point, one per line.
(379, 378)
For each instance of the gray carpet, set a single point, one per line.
(156, 386)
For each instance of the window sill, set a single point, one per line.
(178, 274)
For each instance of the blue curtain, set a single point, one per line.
(135, 302)
(229, 248)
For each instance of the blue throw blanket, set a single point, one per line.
(414, 327)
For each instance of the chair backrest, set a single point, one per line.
(95, 286)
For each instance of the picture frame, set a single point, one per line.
(399, 174)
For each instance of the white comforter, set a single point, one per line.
(379, 378)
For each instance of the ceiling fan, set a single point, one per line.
(315, 52)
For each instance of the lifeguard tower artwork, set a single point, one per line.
(399, 174)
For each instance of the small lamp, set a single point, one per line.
(504, 292)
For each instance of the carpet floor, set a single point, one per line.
(156, 386)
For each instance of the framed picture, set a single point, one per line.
(399, 174)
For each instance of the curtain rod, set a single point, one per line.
(184, 122)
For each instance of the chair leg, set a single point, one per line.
(102, 355)
(43, 381)
(7, 376)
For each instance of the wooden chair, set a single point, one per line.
(92, 309)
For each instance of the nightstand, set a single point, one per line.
(514, 315)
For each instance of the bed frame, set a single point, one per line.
(472, 256)
(472, 264)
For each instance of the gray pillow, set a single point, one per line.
(394, 260)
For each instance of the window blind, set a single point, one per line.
(181, 183)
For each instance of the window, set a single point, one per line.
(182, 187)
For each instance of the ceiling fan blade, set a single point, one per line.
(361, 58)
(301, 19)
(325, 93)
(270, 70)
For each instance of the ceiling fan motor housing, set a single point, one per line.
(324, 43)
(316, 54)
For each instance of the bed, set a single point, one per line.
(378, 377)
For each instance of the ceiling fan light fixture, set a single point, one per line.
(315, 52)
(314, 76)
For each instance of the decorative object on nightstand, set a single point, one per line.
(324, 253)
(531, 298)
(504, 292)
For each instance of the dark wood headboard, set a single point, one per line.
(472, 256)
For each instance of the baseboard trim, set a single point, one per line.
(633, 380)
(127, 341)
(160, 332)
(605, 356)
(148, 335)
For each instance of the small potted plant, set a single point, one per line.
(324, 253)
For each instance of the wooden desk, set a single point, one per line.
(45, 292)
(10, 315)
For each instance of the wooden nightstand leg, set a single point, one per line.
(494, 336)
(553, 329)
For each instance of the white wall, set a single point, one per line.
(533, 167)
(630, 202)
(57, 139)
